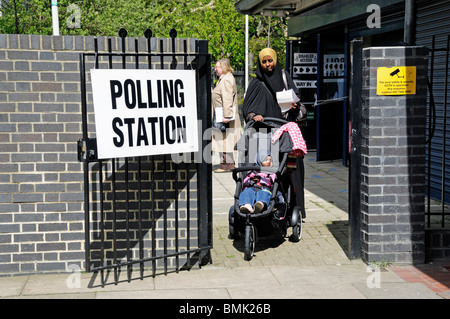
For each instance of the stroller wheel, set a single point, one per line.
(250, 240)
(297, 232)
(296, 223)
(232, 229)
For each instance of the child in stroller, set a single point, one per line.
(257, 186)
(275, 212)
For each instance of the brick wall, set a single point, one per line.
(41, 180)
(393, 161)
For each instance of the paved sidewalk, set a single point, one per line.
(316, 267)
(325, 230)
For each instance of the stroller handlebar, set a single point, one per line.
(268, 119)
(252, 168)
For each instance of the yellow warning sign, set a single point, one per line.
(398, 80)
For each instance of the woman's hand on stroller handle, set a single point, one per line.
(266, 119)
(258, 118)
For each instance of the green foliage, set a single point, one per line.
(213, 20)
(268, 32)
(26, 16)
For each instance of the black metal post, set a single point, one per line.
(410, 22)
(430, 130)
(355, 154)
(85, 162)
(444, 138)
(204, 168)
(141, 241)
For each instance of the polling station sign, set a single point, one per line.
(144, 112)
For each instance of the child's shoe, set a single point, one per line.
(246, 209)
(259, 207)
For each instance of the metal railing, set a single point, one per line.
(145, 212)
(437, 210)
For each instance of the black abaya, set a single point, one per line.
(260, 98)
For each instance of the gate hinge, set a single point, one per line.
(87, 150)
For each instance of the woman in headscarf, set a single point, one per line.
(261, 101)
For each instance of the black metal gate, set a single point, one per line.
(438, 142)
(148, 215)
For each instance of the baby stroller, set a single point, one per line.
(279, 214)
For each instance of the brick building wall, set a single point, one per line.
(41, 179)
(393, 161)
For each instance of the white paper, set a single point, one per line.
(219, 114)
(286, 98)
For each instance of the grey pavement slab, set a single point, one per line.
(397, 290)
(277, 282)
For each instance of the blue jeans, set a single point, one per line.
(249, 196)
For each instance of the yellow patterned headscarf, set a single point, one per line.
(270, 52)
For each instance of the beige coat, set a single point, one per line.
(225, 95)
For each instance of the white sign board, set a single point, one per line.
(144, 112)
(305, 84)
(305, 58)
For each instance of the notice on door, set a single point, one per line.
(399, 80)
(305, 58)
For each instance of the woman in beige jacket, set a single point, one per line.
(225, 96)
